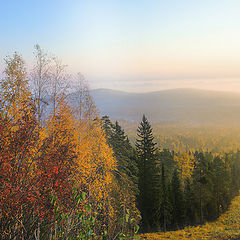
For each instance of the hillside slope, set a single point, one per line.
(226, 227)
(190, 106)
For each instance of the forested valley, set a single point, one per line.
(66, 172)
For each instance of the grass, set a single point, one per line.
(226, 227)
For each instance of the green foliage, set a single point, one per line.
(77, 224)
(123, 152)
(148, 174)
(177, 201)
(80, 223)
(201, 192)
(226, 227)
(165, 207)
(126, 176)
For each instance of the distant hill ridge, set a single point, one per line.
(190, 106)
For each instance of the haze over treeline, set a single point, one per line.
(186, 106)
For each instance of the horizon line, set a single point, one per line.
(166, 89)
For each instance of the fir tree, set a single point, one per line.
(124, 153)
(202, 183)
(148, 174)
(189, 203)
(165, 205)
(167, 158)
(177, 200)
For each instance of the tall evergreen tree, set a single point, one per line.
(124, 153)
(126, 172)
(177, 200)
(202, 183)
(165, 205)
(167, 158)
(221, 183)
(189, 203)
(148, 174)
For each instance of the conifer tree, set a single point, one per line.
(126, 171)
(221, 184)
(177, 200)
(202, 183)
(167, 158)
(148, 174)
(165, 205)
(189, 203)
(123, 152)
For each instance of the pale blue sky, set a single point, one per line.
(132, 45)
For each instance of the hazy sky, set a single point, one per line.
(133, 45)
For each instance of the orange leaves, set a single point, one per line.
(42, 158)
(16, 183)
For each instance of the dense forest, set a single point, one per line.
(179, 188)
(227, 226)
(67, 173)
(177, 136)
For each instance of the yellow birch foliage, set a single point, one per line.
(185, 164)
(61, 124)
(15, 94)
(17, 105)
(95, 161)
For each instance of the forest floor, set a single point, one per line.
(226, 227)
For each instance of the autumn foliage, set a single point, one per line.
(44, 157)
(66, 173)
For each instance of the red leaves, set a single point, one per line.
(32, 166)
(17, 185)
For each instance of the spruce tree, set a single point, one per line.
(167, 158)
(177, 199)
(202, 184)
(123, 152)
(189, 203)
(148, 175)
(221, 184)
(165, 205)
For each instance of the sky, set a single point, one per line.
(131, 45)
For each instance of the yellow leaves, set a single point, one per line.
(95, 161)
(185, 163)
(15, 94)
(61, 125)
(67, 149)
